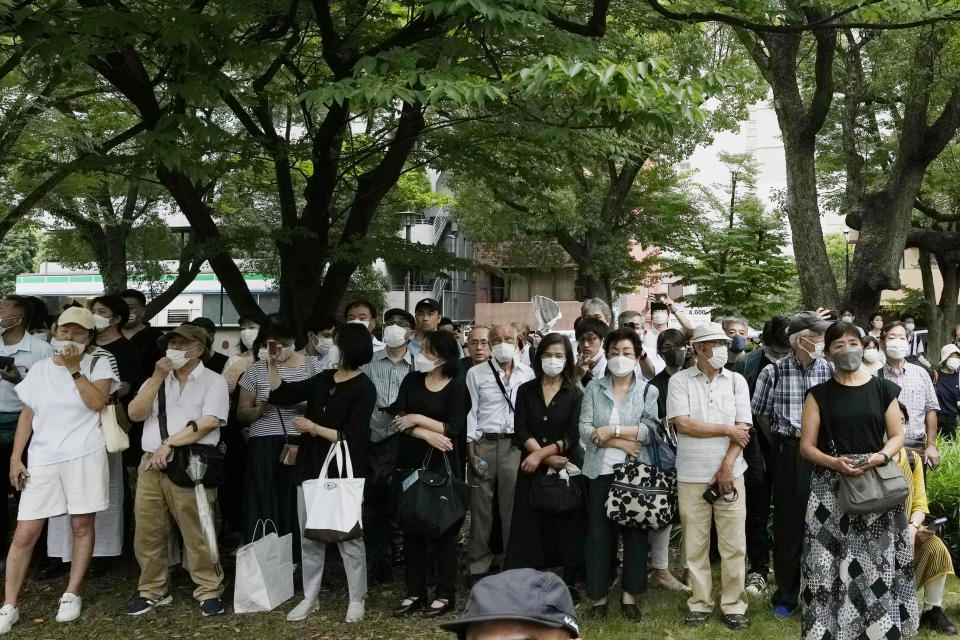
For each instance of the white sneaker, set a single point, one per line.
(69, 608)
(9, 616)
(355, 611)
(302, 610)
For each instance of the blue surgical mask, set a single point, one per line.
(738, 344)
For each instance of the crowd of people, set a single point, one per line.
(546, 431)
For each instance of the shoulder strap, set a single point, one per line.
(503, 389)
(912, 457)
(825, 419)
(162, 411)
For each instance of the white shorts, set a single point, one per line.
(76, 487)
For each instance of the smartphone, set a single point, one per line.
(273, 347)
(6, 362)
(21, 481)
(660, 297)
(936, 524)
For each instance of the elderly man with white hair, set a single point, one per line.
(777, 406)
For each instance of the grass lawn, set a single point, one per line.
(102, 619)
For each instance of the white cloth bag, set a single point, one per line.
(264, 572)
(334, 505)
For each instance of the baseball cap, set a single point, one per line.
(429, 302)
(708, 332)
(400, 312)
(188, 331)
(76, 315)
(526, 595)
(807, 320)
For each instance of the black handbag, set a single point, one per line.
(212, 455)
(432, 501)
(554, 493)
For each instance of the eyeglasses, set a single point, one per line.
(632, 325)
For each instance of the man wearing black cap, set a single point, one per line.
(387, 369)
(521, 603)
(429, 312)
(777, 406)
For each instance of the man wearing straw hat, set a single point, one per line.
(197, 403)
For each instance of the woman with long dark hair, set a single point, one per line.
(546, 430)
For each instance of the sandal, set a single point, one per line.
(409, 605)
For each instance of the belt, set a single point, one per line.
(496, 436)
(787, 440)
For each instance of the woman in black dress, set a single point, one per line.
(431, 410)
(856, 574)
(339, 405)
(546, 428)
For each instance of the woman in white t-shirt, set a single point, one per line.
(270, 493)
(66, 470)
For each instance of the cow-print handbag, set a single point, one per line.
(643, 495)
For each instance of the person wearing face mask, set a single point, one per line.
(430, 418)
(946, 382)
(197, 404)
(492, 459)
(215, 361)
(916, 342)
(339, 406)
(59, 428)
(363, 312)
(873, 355)
(269, 490)
(661, 306)
(777, 406)
(876, 325)
(546, 430)
(320, 328)
(736, 329)
(139, 332)
(916, 392)
(236, 365)
(591, 361)
(387, 371)
(616, 416)
(857, 569)
(26, 350)
(673, 350)
(709, 406)
(846, 315)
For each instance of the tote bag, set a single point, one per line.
(265, 568)
(644, 495)
(334, 505)
(432, 501)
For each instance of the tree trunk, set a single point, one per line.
(592, 287)
(112, 259)
(301, 274)
(941, 314)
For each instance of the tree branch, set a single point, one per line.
(595, 27)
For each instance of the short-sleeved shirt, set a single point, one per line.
(387, 377)
(853, 417)
(30, 350)
(781, 390)
(204, 394)
(276, 420)
(947, 387)
(916, 392)
(723, 400)
(64, 428)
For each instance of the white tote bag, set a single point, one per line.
(334, 505)
(264, 573)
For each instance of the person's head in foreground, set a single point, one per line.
(520, 604)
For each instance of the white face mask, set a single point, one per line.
(3, 328)
(817, 352)
(365, 323)
(953, 363)
(178, 357)
(621, 366)
(423, 364)
(100, 323)
(871, 355)
(333, 356)
(394, 336)
(323, 345)
(898, 348)
(910, 327)
(247, 336)
(718, 357)
(504, 352)
(553, 366)
(60, 346)
(660, 317)
(847, 318)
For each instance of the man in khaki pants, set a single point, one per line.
(196, 402)
(710, 408)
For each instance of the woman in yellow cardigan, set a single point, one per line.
(931, 557)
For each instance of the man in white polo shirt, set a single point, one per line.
(197, 404)
(709, 407)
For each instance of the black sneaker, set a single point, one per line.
(735, 621)
(138, 605)
(696, 619)
(212, 607)
(937, 621)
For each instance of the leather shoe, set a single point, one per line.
(435, 612)
(696, 618)
(631, 612)
(404, 609)
(735, 621)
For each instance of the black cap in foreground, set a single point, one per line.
(807, 320)
(429, 302)
(526, 595)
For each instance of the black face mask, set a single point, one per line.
(675, 357)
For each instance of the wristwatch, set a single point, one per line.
(618, 431)
(75, 375)
(886, 457)
(193, 424)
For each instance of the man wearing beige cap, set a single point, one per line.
(709, 407)
(182, 403)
